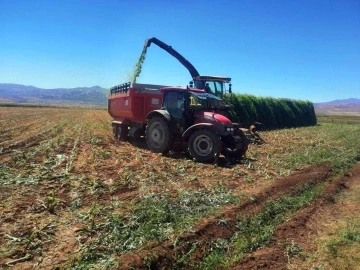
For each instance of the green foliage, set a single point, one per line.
(24, 105)
(50, 202)
(254, 232)
(346, 237)
(157, 216)
(335, 142)
(293, 250)
(272, 113)
(217, 255)
(154, 218)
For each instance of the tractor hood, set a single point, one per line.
(210, 117)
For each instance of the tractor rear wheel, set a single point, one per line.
(158, 136)
(204, 145)
(122, 132)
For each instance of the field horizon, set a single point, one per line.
(96, 96)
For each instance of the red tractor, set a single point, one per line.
(175, 118)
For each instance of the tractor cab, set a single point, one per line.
(174, 102)
(190, 106)
(178, 101)
(212, 84)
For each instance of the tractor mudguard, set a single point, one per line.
(196, 126)
(165, 114)
(162, 113)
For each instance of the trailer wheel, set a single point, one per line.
(158, 136)
(114, 127)
(204, 145)
(122, 132)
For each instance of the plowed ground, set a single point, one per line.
(304, 227)
(71, 196)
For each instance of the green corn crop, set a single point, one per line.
(272, 113)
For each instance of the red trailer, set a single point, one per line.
(129, 104)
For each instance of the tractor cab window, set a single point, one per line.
(174, 103)
(214, 87)
(204, 100)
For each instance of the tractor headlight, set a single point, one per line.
(229, 129)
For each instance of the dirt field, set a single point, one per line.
(297, 236)
(71, 196)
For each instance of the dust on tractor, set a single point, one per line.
(176, 118)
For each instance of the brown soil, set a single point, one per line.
(209, 229)
(298, 229)
(66, 243)
(98, 175)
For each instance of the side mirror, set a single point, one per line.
(230, 88)
(191, 83)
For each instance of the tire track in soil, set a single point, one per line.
(298, 229)
(209, 229)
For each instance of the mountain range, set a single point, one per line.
(350, 106)
(339, 102)
(97, 96)
(80, 96)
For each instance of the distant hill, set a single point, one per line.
(80, 96)
(350, 106)
(340, 101)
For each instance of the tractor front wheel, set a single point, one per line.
(204, 145)
(158, 136)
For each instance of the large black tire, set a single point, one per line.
(158, 136)
(204, 145)
(238, 154)
(122, 132)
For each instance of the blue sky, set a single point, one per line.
(301, 49)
